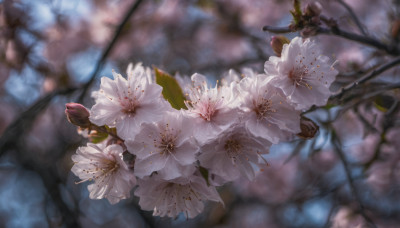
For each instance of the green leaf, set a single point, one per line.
(204, 174)
(297, 7)
(296, 13)
(97, 136)
(295, 18)
(111, 130)
(172, 92)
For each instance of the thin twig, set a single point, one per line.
(51, 181)
(11, 139)
(337, 147)
(14, 131)
(368, 126)
(353, 16)
(26, 119)
(358, 101)
(360, 98)
(328, 218)
(387, 125)
(109, 48)
(276, 29)
(392, 50)
(367, 77)
(295, 151)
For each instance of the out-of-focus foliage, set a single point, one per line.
(348, 175)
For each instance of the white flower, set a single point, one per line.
(170, 198)
(302, 73)
(126, 104)
(266, 112)
(212, 109)
(112, 178)
(167, 147)
(230, 155)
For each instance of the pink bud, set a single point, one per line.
(313, 9)
(277, 43)
(77, 114)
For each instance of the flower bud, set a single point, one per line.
(277, 43)
(77, 114)
(313, 9)
(308, 128)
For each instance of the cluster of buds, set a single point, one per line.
(177, 140)
(308, 20)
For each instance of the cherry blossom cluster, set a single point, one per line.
(175, 159)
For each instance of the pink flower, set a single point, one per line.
(303, 74)
(167, 147)
(170, 198)
(266, 112)
(126, 104)
(211, 109)
(231, 154)
(112, 178)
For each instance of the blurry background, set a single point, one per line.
(347, 176)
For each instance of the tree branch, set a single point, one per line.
(337, 147)
(26, 118)
(24, 121)
(276, 29)
(364, 79)
(392, 50)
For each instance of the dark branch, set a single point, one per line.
(277, 29)
(390, 117)
(392, 50)
(26, 119)
(366, 78)
(337, 147)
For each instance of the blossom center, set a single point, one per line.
(263, 108)
(299, 77)
(167, 145)
(208, 110)
(167, 141)
(129, 106)
(100, 169)
(233, 148)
